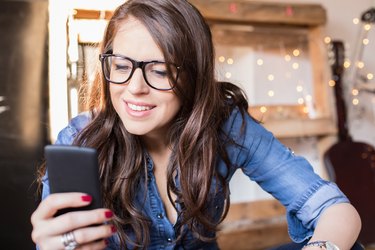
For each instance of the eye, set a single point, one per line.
(158, 70)
(122, 67)
(159, 73)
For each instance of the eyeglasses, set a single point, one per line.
(119, 69)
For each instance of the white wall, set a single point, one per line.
(340, 15)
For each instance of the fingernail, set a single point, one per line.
(108, 214)
(106, 242)
(113, 229)
(86, 198)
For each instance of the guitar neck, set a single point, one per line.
(337, 71)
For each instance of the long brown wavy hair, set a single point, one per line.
(185, 39)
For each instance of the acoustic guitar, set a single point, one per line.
(351, 164)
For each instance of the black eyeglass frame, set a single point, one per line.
(139, 64)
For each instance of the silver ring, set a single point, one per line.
(69, 241)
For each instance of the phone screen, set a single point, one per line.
(74, 169)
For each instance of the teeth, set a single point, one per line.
(138, 108)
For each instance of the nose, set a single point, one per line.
(137, 83)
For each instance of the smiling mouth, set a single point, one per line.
(139, 108)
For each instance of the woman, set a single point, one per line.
(169, 138)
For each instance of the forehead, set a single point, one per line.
(133, 39)
(130, 29)
(129, 23)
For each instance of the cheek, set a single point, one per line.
(114, 94)
(175, 106)
(169, 109)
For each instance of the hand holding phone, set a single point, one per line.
(74, 169)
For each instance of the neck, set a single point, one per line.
(160, 152)
(156, 145)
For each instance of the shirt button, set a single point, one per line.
(169, 240)
(159, 216)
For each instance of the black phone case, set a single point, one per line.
(74, 169)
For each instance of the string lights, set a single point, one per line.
(272, 74)
(358, 73)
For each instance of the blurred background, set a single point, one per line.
(278, 51)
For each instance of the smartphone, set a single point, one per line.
(74, 169)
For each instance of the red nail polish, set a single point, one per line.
(106, 242)
(108, 214)
(86, 198)
(113, 229)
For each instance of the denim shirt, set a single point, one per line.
(287, 177)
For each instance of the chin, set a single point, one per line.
(137, 130)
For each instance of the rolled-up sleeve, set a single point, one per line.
(289, 178)
(303, 214)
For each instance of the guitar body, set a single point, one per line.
(351, 165)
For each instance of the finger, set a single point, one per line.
(59, 242)
(51, 243)
(54, 202)
(99, 245)
(79, 219)
(91, 234)
(83, 236)
(42, 217)
(86, 238)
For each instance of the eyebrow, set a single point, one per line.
(149, 60)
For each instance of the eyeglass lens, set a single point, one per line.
(119, 69)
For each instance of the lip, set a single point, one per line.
(138, 113)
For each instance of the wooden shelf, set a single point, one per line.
(92, 14)
(262, 12)
(255, 225)
(243, 12)
(289, 128)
